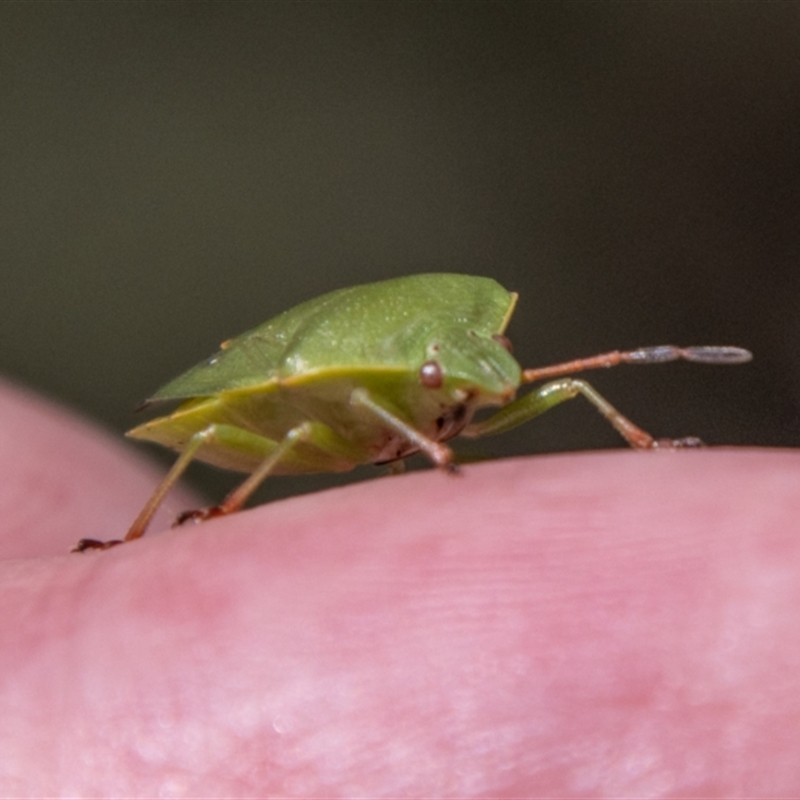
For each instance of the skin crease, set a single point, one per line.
(613, 624)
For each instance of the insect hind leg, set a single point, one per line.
(327, 445)
(141, 522)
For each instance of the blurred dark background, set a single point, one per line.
(175, 173)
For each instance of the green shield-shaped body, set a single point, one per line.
(305, 364)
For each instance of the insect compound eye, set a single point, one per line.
(503, 341)
(430, 375)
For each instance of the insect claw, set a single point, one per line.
(673, 444)
(198, 515)
(94, 544)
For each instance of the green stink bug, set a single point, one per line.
(370, 374)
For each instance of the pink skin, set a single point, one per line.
(614, 624)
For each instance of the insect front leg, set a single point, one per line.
(441, 455)
(556, 392)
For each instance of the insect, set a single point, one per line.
(370, 374)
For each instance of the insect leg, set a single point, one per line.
(237, 498)
(322, 438)
(550, 395)
(707, 354)
(141, 522)
(330, 449)
(438, 453)
(209, 435)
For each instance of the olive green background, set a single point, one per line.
(173, 174)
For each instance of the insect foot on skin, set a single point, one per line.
(370, 374)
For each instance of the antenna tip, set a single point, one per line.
(711, 354)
